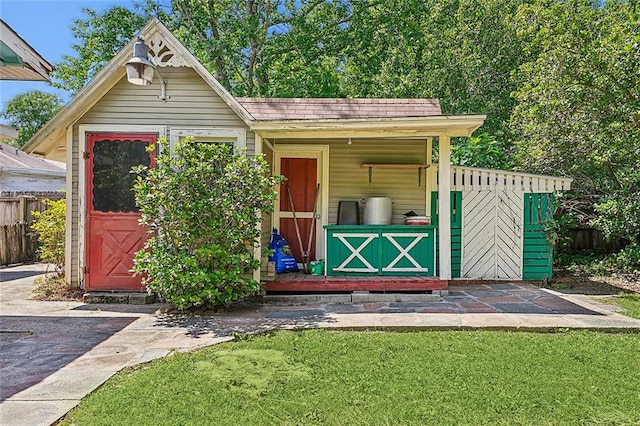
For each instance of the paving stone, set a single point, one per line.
(439, 310)
(500, 299)
(482, 310)
(487, 293)
(103, 297)
(561, 306)
(394, 297)
(473, 305)
(521, 308)
(141, 299)
(342, 307)
(396, 311)
(505, 286)
(293, 314)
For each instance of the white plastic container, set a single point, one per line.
(377, 211)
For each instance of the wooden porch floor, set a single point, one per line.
(299, 282)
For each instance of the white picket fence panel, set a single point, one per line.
(477, 179)
(492, 234)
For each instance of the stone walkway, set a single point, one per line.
(52, 354)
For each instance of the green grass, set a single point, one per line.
(382, 378)
(630, 303)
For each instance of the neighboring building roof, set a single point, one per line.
(264, 109)
(20, 61)
(14, 159)
(8, 132)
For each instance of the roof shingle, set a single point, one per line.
(266, 109)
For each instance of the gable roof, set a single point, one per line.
(15, 159)
(266, 109)
(19, 60)
(53, 131)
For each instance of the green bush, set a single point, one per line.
(49, 225)
(202, 208)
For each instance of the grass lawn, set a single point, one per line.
(630, 303)
(380, 378)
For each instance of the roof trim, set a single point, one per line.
(453, 125)
(108, 77)
(35, 67)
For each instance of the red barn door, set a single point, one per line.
(113, 233)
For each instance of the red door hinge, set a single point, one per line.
(85, 155)
(85, 270)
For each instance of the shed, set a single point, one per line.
(485, 224)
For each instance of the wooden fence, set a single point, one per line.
(17, 243)
(588, 239)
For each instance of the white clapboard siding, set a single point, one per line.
(492, 234)
(191, 104)
(472, 178)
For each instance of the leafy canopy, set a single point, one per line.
(29, 111)
(579, 106)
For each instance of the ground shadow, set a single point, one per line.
(247, 319)
(123, 308)
(6, 276)
(32, 348)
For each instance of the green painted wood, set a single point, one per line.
(381, 250)
(456, 231)
(537, 262)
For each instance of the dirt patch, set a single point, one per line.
(54, 288)
(572, 283)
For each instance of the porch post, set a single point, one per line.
(444, 205)
(427, 178)
(257, 251)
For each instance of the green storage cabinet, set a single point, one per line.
(392, 250)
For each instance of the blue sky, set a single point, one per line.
(46, 26)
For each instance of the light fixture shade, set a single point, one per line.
(140, 69)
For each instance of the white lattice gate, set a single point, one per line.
(492, 234)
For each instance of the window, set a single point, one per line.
(238, 137)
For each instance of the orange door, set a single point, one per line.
(301, 174)
(113, 233)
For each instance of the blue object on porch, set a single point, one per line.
(285, 262)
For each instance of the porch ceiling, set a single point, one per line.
(451, 125)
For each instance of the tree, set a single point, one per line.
(462, 52)
(29, 111)
(253, 47)
(100, 36)
(201, 208)
(265, 47)
(578, 109)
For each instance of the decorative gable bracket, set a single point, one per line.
(162, 55)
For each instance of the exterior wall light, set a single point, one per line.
(140, 70)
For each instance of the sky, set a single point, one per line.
(46, 26)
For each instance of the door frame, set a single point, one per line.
(83, 129)
(321, 154)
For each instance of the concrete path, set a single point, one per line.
(52, 354)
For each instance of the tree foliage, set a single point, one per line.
(265, 47)
(579, 106)
(28, 111)
(100, 36)
(459, 51)
(201, 206)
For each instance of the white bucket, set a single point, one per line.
(377, 211)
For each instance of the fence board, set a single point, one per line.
(17, 244)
